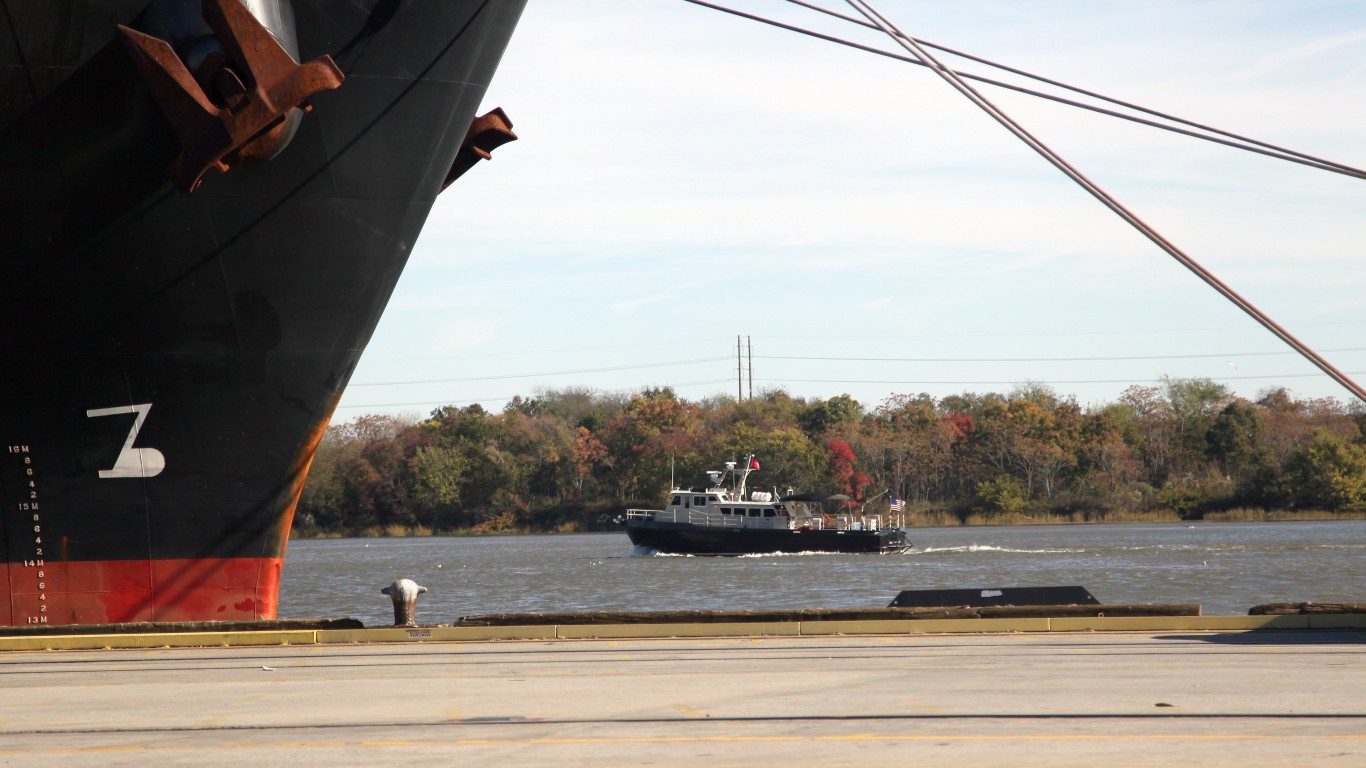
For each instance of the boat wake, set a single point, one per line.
(643, 551)
(788, 554)
(991, 548)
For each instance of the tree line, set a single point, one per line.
(572, 459)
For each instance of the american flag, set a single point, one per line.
(898, 504)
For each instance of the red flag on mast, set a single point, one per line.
(753, 463)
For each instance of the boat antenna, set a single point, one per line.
(870, 501)
(952, 78)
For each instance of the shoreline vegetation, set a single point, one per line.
(919, 520)
(572, 460)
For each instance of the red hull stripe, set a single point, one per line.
(118, 591)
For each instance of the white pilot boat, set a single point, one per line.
(723, 520)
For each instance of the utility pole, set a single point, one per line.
(739, 372)
(749, 343)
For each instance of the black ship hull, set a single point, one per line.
(689, 539)
(170, 360)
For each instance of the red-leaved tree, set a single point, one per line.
(848, 480)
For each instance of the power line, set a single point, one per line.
(950, 77)
(1049, 382)
(533, 352)
(440, 401)
(1277, 151)
(862, 337)
(1042, 359)
(819, 358)
(1234, 140)
(1029, 334)
(640, 366)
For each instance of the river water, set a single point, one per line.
(1225, 567)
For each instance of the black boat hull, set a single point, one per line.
(688, 539)
(169, 361)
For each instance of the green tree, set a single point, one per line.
(788, 459)
(322, 504)
(1194, 405)
(822, 417)
(438, 472)
(1002, 494)
(1327, 472)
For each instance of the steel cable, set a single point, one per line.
(1104, 197)
(1233, 140)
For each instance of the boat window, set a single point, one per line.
(768, 513)
(677, 501)
(725, 510)
(754, 513)
(713, 498)
(700, 501)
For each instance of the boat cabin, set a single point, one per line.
(721, 507)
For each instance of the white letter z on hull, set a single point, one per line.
(132, 462)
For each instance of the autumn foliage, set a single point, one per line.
(573, 459)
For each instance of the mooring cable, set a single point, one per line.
(1277, 150)
(1234, 140)
(949, 76)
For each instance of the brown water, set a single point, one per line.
(1226, 567)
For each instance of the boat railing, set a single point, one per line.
(842, 521)
(846, 521)
(691, 516)
(714, 519)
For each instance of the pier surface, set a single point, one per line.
(1263, 698)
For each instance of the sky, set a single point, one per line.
(684, 177)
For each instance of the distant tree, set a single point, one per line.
(1233, 435)
(911, 446)
(659, 393)
(322, 505)
(1154, 431)
(1194, 404)
(1106, 461)
(1038, 393)
(1327, 472)
(821, 417)
(848, 478)
(588, 453)
(1002, 494)
(370, 427)
(786, 457)
(1189, 446)
(643, 439)
(771, 409)
(389, 481)
(438, 473)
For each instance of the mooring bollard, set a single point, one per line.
(404, 593)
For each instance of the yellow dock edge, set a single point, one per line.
(734, 629)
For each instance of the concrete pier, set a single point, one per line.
(1153, 698)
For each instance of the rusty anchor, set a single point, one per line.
(487, 133)
(258, 88)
